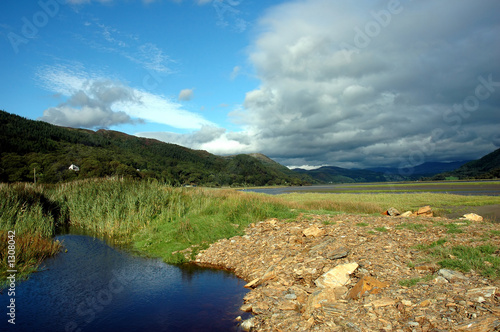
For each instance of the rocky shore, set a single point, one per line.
(359, 273)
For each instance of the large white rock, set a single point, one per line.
(336, 277)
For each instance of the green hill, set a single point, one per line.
(28, 147)
(488, 167)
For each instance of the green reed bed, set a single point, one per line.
(32, 217)
(158, 219)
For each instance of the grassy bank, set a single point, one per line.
(159, 220)
(377, 203)
(32, 216)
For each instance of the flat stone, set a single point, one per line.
(252, 283)
(313, 231)
(474, 293)
(247, 307)
(337, 253)
(336, 277)
(406, 214)
(366, 284)
(473, 217)
(384, 302)
(424, 210)
(319, 298)
(451, 275)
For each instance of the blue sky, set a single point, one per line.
(309, 82)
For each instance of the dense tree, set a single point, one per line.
(26, 145)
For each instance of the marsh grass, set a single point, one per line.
(376, 203)
(30, 251)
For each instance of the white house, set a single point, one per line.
(75, 168)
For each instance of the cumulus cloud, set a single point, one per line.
(91, 106)
(93, 101)
(186, 94)
(359, 84)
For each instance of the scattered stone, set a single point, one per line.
(425, 211)
(336, 277)
(293, 286)
(425, 303)
(366, 285)
(252, 283)
(406, 303)
(313, 231)
(318, 298)
(248, 324)
(393, 212)
(440, 280)
(337, 253)
(247, 307)
(384, 302)
(475, 293)
(472, 217)
(484, 324)
(451, 275)
(406, 214)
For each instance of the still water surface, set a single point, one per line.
(94, 287)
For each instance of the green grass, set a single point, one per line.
(413, 281)
(362, 224)
(453, 229)
(482, 259)
(158, 219)
(371, 203)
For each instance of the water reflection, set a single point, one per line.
(94, 287)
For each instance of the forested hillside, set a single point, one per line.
(488, 167)
(34, 148)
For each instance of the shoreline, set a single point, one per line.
(282, 262)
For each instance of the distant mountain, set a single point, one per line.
(488, 167)
(332, 174)
(34, 148)
(425, 169)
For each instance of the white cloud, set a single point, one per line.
(94, 101)
(236, 71)
(186, 94)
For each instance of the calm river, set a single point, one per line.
(94, 287)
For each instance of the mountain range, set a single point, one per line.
(35, 150)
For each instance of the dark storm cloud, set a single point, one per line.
(364, 84)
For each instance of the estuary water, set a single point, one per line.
(95, 287)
